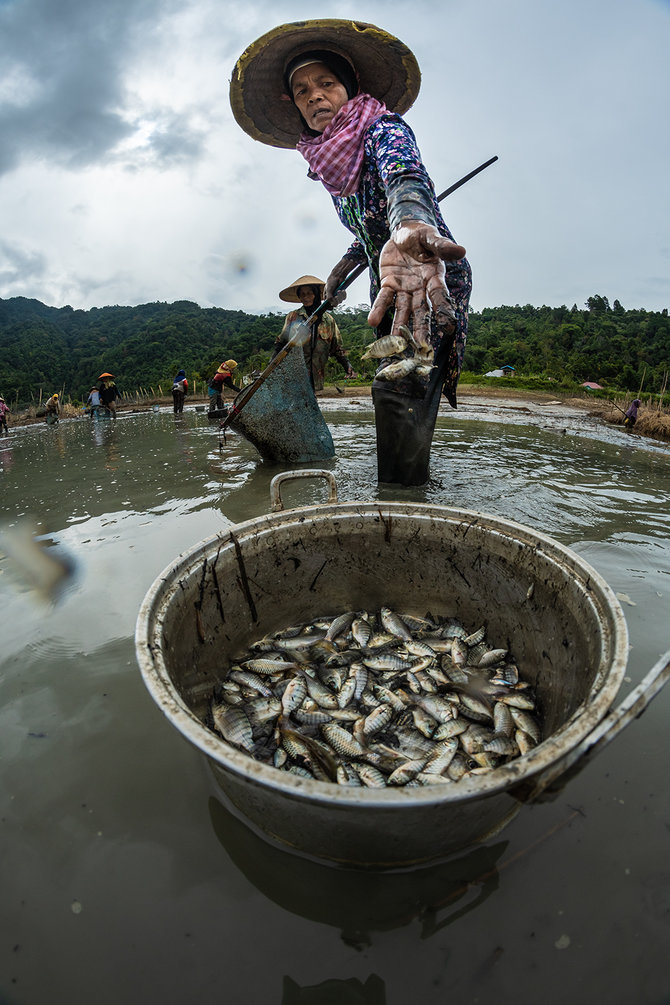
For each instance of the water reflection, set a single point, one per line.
(335, 992)
(356, 902)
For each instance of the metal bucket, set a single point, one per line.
(559, 617)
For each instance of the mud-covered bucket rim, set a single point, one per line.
(583, 721)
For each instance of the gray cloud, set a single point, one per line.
(20, 265)
(62, 81)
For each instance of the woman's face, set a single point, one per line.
(305, 295)
(318, 94)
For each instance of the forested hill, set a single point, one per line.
(47, 348)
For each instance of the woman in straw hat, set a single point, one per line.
(335, 91)
(52, 405)
(222, 378)
(109, 393)
(325, 339)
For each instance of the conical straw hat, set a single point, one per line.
(386, 69)
(290, 294)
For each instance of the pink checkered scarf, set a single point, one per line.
(335, 157)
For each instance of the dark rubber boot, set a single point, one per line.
(405, 428)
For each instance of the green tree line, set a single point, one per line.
(43, 349)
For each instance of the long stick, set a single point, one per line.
(299, 338)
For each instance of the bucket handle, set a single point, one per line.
(549, 783)
(286, 476)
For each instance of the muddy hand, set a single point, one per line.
(411, 267)
(338, 274)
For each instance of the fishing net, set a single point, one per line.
(282, 419)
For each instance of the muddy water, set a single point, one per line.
(124, 879)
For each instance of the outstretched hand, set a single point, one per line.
(411, 269)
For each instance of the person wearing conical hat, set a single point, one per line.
(222, 378)
(335, 91)
(325, 339)
(93, 401)
(52, 406)
(109, 393)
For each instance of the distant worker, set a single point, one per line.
(4, 412)
(109, 392)
(222, 377)
(325, 339)
(93, 400)
(630, 415)
(53, 410)
(179, 391)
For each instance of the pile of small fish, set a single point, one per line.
(391, 350)
(377, 699)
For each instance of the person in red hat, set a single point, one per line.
(325, 340)
(335, 91)
(109, 393)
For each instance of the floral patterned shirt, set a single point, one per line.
(395, 185)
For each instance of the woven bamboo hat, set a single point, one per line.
(290, 294)
(386, 69)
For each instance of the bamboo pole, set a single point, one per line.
(644, 374)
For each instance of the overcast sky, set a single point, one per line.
(124, 178)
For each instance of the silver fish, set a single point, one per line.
(320, 693)
(387, 699)
(369, 775)
(523, 720)
(395, 625)
(452, 728)
(458, 652)
(346, 692)
(399, 370)
(377, 720)
(424, 722)
(342, 742)
(361, 629)
(385, 661)
(502, 745)
(492, 657)
(441, 757)
(294, 695)
(387, 345)
(476, 637)
(234, 726)
(404, 773)
(251, 680)
(339, 625)
(347, 776)
(270, 666)
(524, 742)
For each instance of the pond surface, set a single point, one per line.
(124, 878)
